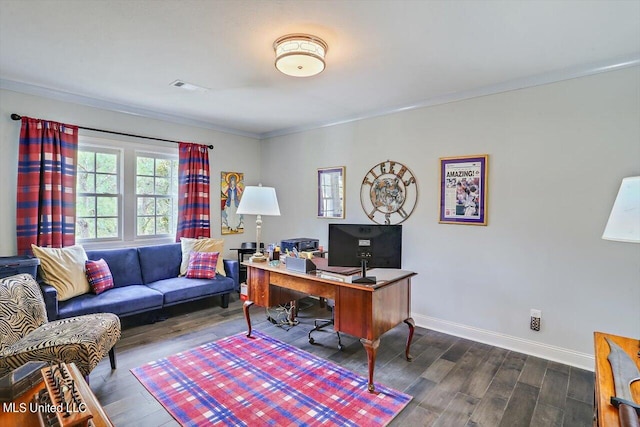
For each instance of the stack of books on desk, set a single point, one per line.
(323, 264)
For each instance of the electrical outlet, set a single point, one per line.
(535, 324)
(536, 317)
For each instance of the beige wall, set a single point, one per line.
(558, 153)
(231, 153)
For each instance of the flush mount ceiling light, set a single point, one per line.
(300, 55)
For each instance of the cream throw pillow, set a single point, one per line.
(63, 268)
(201, 245)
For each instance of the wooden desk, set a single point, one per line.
(606, 413)
(364, 311)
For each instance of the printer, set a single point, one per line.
(301, 244)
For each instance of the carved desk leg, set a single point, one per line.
(409, 321)
(371, 348)
(245, 308)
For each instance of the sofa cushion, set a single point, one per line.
(122, 301)
(180, 289)
(98, 275)
(160, 261)
(201, 245)
(202, 265)
(63, 268)
(123, 263)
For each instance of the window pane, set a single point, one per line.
(146, 206)
(146, 226)
(106, 184)
(108, 206)
(107, 227)
(163, 206)
(163, 167)
(162, 186)
(145, 166)
(163, 224)
(85, 161)
(85, 182)
(106, 163)
(85, 206)
(144, 185)
(85, 228)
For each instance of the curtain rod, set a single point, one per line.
(15, 116)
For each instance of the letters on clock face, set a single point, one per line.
(389, 193)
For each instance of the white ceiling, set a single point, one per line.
(383, 56)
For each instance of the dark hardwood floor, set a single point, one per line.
(453, 381)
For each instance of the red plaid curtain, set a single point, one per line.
(193, 191)
(46, 204)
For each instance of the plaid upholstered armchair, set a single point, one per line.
(25, 334)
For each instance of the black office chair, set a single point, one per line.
(247, 248)
(319, 324)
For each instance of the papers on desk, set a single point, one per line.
(322, 264)
(333, 276)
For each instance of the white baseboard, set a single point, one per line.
(545, 351)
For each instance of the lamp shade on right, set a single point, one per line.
(624, 221)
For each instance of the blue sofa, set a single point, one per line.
(145, 279)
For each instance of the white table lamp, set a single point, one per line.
(259, 201)
(624, 221)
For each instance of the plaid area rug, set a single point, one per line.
(240, 381)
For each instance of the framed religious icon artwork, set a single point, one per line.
(463, 189)
(231, 188)
(389, 193)
(331, 192)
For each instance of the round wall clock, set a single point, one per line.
(389, 193)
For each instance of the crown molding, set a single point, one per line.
(523, 83)
(73, 98)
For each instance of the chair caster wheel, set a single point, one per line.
(311, 341)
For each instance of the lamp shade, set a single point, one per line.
(300, 55)
(259, 201)
(624, 221)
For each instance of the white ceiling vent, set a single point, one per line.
(188, 86)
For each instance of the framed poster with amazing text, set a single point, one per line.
(463, 189)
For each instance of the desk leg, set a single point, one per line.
(245, 308)
(409, 321)
(371, 348)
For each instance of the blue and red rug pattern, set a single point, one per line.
(240, 381)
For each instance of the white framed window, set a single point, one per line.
(126, 192)
(156, 194)
(98, 194)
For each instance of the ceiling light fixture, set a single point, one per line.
(300, 55)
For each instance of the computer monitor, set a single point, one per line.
(365, 245)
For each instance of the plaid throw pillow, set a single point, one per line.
(202, 265)
(99, 275)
